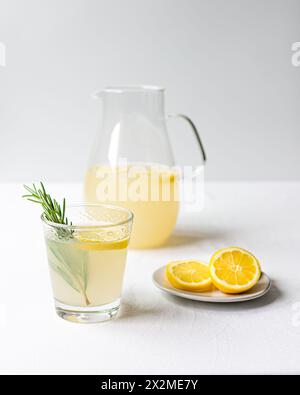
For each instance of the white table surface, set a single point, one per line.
(155, 333)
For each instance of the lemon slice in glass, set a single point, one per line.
(92, 241)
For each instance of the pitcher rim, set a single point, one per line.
(133, 88)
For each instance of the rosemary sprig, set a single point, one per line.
(72, 267)
(52, 210)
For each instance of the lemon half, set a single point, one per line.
(234, 270)
(189, 275)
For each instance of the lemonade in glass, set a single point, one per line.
(87, 261)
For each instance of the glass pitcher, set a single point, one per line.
(132, 163)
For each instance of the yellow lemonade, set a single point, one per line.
(150, 192)
(86, 271)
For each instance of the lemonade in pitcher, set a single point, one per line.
(150, 192)
(133, 129)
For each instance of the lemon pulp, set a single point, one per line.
(190, 275)
(234, 270)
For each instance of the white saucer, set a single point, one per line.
(214, 296)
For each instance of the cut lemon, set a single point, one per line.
(234, 270)
(92, 241)
(189, 275)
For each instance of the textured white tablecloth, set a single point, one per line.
(155, 333)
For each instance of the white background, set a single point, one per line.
(225, 63)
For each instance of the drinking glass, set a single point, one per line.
(87, 261)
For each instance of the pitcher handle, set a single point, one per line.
(196, 133)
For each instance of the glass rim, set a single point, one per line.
(92, 227)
